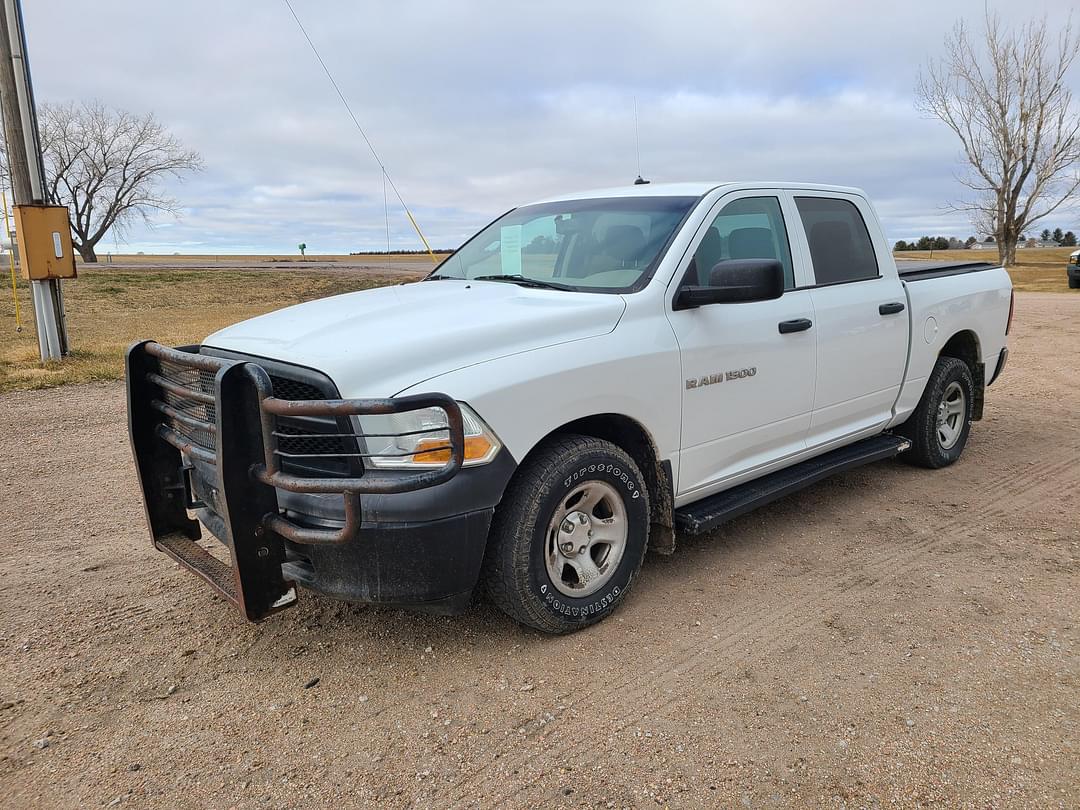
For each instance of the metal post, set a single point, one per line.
(11, 262)
(25, 164)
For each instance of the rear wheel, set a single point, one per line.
(569, 536)
(939, 427)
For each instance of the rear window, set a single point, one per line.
(840, 245)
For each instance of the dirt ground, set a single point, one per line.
(892, 637)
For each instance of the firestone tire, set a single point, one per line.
(569, 536)
(940, 425)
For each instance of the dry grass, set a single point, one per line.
(163, 297)
(230, 259)
(1036, 270)
(108, 309)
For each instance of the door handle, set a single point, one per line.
(891, 309)
(797, 325)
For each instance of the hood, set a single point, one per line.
(375, 343)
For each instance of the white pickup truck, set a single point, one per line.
(589, 376)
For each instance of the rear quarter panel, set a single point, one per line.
(943, 307)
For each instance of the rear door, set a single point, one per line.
(860, 316)
(748, 388)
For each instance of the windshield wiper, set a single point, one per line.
(440, 277)
(525, 281)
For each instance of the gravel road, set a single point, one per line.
(891, 637)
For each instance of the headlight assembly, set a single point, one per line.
(411, 440)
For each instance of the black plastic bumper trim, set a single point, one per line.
(1003, 358)
(430, 565)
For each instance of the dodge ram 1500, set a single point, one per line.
(587, 377)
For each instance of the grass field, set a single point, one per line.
(108, 309)
(241, 260)
(1036, 270)
(181, 299)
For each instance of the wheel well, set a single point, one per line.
(636, 441)
(965, 346)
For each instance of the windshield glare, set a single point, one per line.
(606, 245)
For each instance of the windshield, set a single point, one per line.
(606, 245)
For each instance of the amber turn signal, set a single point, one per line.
(476, 448)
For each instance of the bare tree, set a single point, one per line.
(108, 166)
(1003, 93)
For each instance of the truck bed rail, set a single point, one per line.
(919, 270)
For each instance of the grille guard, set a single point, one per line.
(173, 422)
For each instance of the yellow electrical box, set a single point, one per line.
(44, 238)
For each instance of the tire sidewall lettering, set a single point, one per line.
(603, 601)
(614, 470)
(596, 605)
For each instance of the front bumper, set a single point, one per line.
(207, 435)
(431, 566)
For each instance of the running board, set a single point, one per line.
(705, 515)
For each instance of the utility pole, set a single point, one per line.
(26, 167)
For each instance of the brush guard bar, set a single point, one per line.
(222, 412)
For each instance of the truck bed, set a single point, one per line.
(919, 270)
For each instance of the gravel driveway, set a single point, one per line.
(891, 637)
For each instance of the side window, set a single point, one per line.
(840, 245)
(750, 228)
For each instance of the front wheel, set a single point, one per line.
(569, 535)
(939, 426)
(1074, 283)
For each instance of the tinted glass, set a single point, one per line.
(750, 228)
(605, 245)
(840, 245)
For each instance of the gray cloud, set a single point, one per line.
(478, 106)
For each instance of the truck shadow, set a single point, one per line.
(792, 522)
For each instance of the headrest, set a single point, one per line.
(751, 243)
(624, 242)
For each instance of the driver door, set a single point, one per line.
(749, 382)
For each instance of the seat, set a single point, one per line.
(751, 243)
(621, 246)
(623, 243)
(709, 253)
(830, 250)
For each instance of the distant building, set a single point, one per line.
(1030, 243)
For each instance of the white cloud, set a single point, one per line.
(478, 106)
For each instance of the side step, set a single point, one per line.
(197, 559)
(705, 515)
(228, 581)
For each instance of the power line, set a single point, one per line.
(386, 217)
(360, 129)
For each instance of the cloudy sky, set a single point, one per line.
(478, 106)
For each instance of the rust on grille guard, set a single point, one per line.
(222, 412)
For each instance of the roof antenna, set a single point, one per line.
(640, 181)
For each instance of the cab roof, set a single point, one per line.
(693, 189)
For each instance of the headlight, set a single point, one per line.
(409, 440)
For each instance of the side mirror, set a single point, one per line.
(735, 281)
